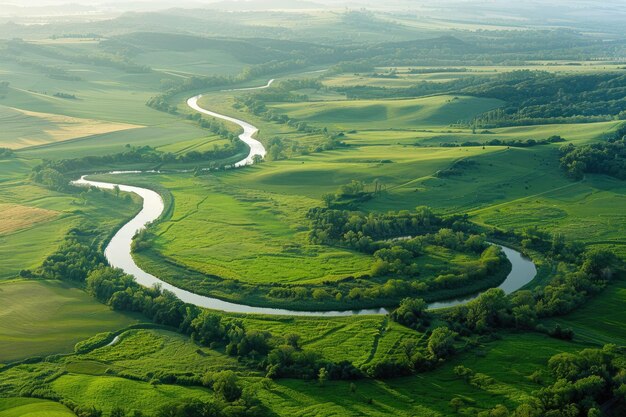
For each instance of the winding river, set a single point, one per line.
(118, 251)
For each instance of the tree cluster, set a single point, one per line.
(608, 158)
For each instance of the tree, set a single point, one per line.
(275, 150)
(322, 376)
(208, 327)
(411, 312)
(225, 384)
(441, 342)
(328, 199)
(456, 403)
(293, 340)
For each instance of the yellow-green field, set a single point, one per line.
(23, 128)
(50, 317)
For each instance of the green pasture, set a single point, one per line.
(141, 353)
(577, 133)
(389, 114)
(109, 392)
(45, 317)
(27, 407)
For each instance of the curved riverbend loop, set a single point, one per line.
(118, 251)
(256, 147)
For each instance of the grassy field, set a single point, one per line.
(16, 217)
(108, 108)
(23, 128)
(108, 392)
(49, 318)
(428, 394)
(23, 407)
(389, 114)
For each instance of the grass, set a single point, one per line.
(109, 392)
(388, 114)
(27, 407)
(22, 128)
(142, 353)
(51, 317)
(15, 217)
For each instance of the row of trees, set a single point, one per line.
(397, 239)
(514, 143)
(256, 104)
(54, 174)
(6, 153)
(17, 47)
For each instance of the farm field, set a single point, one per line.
(50, 318)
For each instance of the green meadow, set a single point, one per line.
(17, 407)
(389, 114)
(51, 317)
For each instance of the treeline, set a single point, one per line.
(572, 285)
(435, 70)
(531, 97)
(6, 153)
(277, 356)
(54, 174)
(513, 143)
(419, 89)
(329, 226)
(65, 95)
(256, 104)
(18, 47)
(608, 158)
(55, 73)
